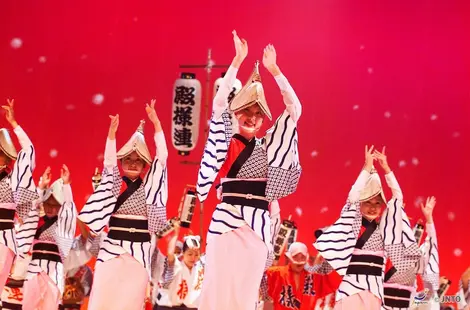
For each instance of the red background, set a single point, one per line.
(352, 64)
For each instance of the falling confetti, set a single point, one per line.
(84, 56)
(100, 157)
(362, 47)
(456, 134)
(29, 70)
(324, 210)
(98, 99)
(128, 100)
(16, 43)
(457, 252)
(347, 163)
(370, 70)
(451, 216)
(314, 153)
(415, 161)
(135, 19)
(356, 107)
(53, 153)
(401, 163)
(42, 59)
(70, 107)
(418, 201)
(298, 210)
(433, 117)
(387, 114)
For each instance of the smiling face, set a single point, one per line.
(296, 267)
(250, 120)
(132, 166)
(51, 207)
(372, 208)
(191, 256)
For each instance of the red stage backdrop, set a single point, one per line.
(392, 73)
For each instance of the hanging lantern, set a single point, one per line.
(169, 227)
(282, 236)
(96, 179)
(418, 231)
(186, 111)
(237, 86)
(187, 206)
(292, 236)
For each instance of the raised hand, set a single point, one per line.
(45, 180)
(382, 159)
(10, 112)
(152, 115)
(241, 49)
(369, 158)
(65, 174)
(269, 60)
(113, 126)
(428, 209)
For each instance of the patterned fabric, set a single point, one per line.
(149, 201)
(256, 166)
(19, 187)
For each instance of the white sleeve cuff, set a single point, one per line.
(110, 153)
(282, 82)
(431, 230)
(67, 190)
(162, 150)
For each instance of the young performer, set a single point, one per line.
(17, 189)
(51, 237)
(253, 173)
(291, 286)
(182, 279)
(132, 217)
(354, 246)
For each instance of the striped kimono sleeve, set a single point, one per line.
(337, 243)
(168, 273)
(93, 243)
(430, 275)
(156, 186)
(282, 146)
(100, 206)
(22, 183)
(275, 215)
(218, 139)
(27, 230)
(66, 223)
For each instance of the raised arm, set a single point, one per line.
(22, 184)
(99, 207)
(292, 102)
(67, 217)
(220, 127)
(361, 181)
(155, 183)
(170, 261)
(431, 270)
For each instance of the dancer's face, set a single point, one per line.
(250, 121)
(51, 207)
(190, 257)
(296, 267)
(372, 208)
(133, 165)
(4, 159)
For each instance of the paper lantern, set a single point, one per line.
(186, 112)
(187, 206)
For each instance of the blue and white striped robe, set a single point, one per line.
(18, 191)
(148, 202)
(400, 244)
(62, 233)
(280, 145)
(338, 242)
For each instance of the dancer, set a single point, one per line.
(132, 217)
(182, 281)
(354, 246)
(17, 189)
(291, 286)
(51, 237)
(464, 291)
(428, 265)
(253, 173)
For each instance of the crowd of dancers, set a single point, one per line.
(370, 258)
